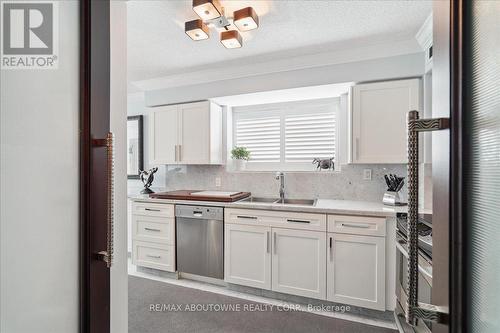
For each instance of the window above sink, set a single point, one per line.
(287, 136)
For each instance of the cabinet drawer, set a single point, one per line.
(153, 229)
(356, 225)
(289, 220)
(154, 255)
(153, 209)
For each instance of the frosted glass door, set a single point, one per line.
(483, 178)
(39, 176)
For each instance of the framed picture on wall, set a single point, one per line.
(135, 157)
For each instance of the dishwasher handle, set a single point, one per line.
(199, 212)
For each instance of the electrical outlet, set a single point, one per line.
(218, 182)
(367, 174)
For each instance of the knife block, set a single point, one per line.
(392, 198)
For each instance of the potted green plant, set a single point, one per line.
(240, 156)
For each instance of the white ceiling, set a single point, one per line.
(157, 45)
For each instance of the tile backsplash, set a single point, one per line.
(348, 184)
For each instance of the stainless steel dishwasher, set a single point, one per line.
(200, 240)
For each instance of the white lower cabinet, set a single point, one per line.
(154, 255)
(356, 270)
(153, 235)
(153, 229)
(299, 262)
(247, 255)
(345, 263)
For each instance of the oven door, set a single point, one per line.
(424, 283)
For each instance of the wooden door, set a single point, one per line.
(95, 168)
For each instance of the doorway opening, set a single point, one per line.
(257, 175)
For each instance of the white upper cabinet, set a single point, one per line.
(194, 134)
(378, 120)
(163, 124)
(186, 134)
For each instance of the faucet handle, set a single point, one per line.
(279, 174)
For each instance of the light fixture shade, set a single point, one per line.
(231, 39)
(246, 19)
(196, 29)
(207, 9)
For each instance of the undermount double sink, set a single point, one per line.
(293, 202)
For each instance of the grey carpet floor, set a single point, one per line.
(144, 292)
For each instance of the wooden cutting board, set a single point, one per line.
(198, 195)
(214, 194)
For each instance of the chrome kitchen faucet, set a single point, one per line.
(281, 177)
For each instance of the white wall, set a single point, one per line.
(348, 184)
(135, 107)
(119, 275)
(39, 204)
(403, 66)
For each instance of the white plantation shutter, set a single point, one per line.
(287, 136)
(309, 136)
(261, 136)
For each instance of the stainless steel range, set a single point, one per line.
(424, 269)
(424, 231)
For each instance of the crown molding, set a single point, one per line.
(282, 63)
(401, 66)
(134, 97)
(424, 34)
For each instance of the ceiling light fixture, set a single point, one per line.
(212, 16)
(231, 39)
(207, 9)
(196, 29)
(246, 19)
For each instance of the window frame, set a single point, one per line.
(282, 109)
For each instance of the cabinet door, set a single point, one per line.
(299, 262)
(247, 255)
(356, 270)
(163, 135)
(194, 133)
(378, 116)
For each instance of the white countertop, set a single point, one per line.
(324, 206)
